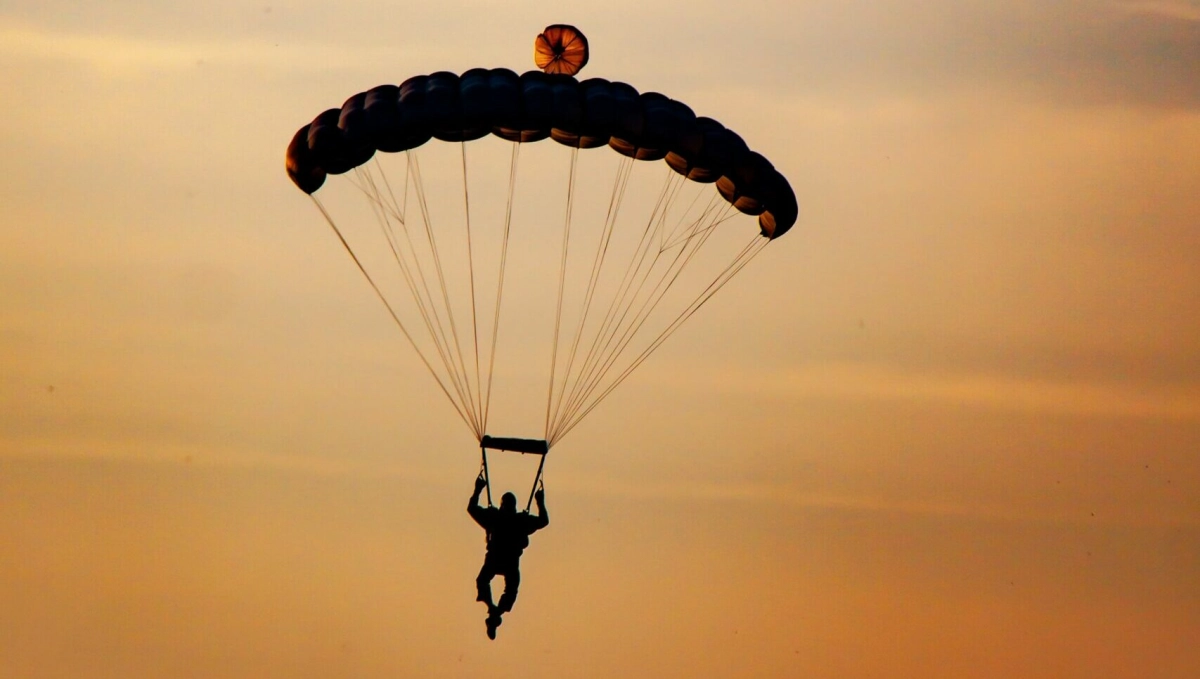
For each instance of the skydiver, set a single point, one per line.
(508, 534)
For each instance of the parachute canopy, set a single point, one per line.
(532, 107)
(560, 49)
(621, 287)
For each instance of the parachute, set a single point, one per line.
(530, 108)
(560, 49)
(623, 296)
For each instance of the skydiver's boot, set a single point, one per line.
(493, 621)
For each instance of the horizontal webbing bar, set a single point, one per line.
(534, 446)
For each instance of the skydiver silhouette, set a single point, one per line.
(508, 534)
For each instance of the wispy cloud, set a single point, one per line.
(834, 500)
(1177, 9)
(854, 381)
(1083, 52)
(122, 55)
(241, 459)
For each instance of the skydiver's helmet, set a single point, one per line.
(508, 502)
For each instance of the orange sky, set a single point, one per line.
(946, 427)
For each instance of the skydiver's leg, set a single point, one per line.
(483, 583)
(512, 580)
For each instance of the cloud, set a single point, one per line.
(1078, 52)
(871, 382)
(1186, 11)
(115, 54)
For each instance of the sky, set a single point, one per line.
(947, 426)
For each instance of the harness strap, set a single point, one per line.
(483, 472)
(537, 482)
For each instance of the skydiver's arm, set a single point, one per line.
(543, 518)
(478, 513)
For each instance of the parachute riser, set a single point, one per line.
(486, 479)
(525, 447)
(537, 481)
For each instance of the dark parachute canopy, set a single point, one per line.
(532, 107)
(639, 126)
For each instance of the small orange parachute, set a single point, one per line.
(560, 49)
